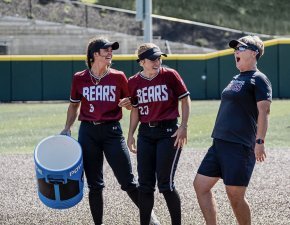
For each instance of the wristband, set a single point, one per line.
(260, 141)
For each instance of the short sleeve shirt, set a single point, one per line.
(238, 113)
(99, 101)
(157, 98)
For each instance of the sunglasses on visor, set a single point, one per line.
(243, 48)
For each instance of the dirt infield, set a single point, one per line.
(268, 195)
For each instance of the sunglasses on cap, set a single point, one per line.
(243, 48)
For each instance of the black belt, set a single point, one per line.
(96, 122)
(162, 123)
(101, 122)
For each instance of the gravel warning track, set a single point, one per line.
(268, 195)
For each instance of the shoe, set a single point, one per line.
(154, 220)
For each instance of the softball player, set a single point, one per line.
(238, 134)
(99, 92)
(155, 92)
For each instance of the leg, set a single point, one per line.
(118, 158)
(209, 172)
(96, 205)
(238, 164)
(117, 155)
(203, 185)
(174, 206)
(166, 165)
(146, 202)
(134, 196)
(93, 166)
(146, 157)
(241, 208)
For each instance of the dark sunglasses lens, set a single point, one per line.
(241, 48)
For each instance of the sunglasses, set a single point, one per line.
(243, 48)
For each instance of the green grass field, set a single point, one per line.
(22, 126)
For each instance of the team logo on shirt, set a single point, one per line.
(156, 93)
(100, 93)
(235, 85)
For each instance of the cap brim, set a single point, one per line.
(156, 55)
(114, 45)
(151, 54)
(234, 43)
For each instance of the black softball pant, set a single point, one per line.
(157, 160)
(99, 140)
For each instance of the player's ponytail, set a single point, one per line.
(90, 55)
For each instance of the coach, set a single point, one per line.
(238, 135)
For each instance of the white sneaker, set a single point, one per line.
(153, 219)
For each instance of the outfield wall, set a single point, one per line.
(48, 77)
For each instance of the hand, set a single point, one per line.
(66, 132)
(260, 152)
(125, 102)
(131, 144)
(181, 137)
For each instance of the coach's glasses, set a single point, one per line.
(243, 48)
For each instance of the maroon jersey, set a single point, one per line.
(157, 97)
(99, 101)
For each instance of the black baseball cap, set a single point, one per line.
(234, 43)
(104, 44)
(151, 54)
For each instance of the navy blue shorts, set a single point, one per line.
(233, 162)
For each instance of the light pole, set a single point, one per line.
(143, 13)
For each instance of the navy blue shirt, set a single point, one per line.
(238, 113)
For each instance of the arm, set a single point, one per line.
(263, 120)
(134, 120)
(72, 113)
(181, 133)
(125, 102)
